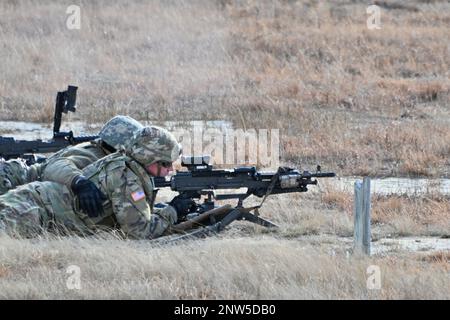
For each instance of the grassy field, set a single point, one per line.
(308, 257)
(357, 101)
(256, 267)
(228, 268)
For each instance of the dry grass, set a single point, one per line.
(357, 101)
(397, 215)
(214, 269)
(325, 210)
(306, 258)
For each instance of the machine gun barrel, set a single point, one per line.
(319, 174)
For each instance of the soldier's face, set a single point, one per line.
(158, 170)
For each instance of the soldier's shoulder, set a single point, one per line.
(112, 165)
(113, 162)
(86, 144)
(82, 149)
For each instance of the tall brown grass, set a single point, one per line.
(237, 268)
(425, 214)
(358, 101)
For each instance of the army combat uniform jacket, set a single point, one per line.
(38, 206)
(61, 167)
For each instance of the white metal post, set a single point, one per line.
(361, 213)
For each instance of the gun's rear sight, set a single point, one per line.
(196, 162)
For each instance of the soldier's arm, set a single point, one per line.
(64, 168)
(134, 213)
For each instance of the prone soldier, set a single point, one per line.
(65, 165)
(125, 177)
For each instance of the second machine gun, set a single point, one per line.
(11, 148)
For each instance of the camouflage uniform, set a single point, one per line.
(66, 164)
(13, 173)
(121, 176)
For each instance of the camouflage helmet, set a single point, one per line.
(151, 144)
(119, 130)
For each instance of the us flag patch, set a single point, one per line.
(138, 195)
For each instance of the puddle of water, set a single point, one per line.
(422, 244)
(388, 186)
(190, 125)
(31, 131)
(384, 246)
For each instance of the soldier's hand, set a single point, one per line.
(183, 206)
(89, 196)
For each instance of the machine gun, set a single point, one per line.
(11, 148)
(202, 179)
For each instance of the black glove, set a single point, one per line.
(183, 206)
(90, 197)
